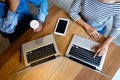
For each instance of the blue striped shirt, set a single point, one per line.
(9, 20)
(96, 13)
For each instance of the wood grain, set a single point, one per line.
(60, 68)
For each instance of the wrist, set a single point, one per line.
(83, 24)
(108, 41)
(86, 27)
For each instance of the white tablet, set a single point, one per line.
(61, 26)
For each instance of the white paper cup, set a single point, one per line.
(34, 24)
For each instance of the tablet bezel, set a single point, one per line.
(57, 26)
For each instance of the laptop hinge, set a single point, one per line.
(83, 63)
(42, 61)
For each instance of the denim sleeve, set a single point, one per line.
(42, 8)
(9, 23)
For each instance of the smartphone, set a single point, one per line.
(61, 26)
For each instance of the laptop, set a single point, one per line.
(80, 51)
(39, 50)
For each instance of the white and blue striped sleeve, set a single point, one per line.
(115, 32)
(73, 12)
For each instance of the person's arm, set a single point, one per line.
(92, 32)
(42, 11)
(114, 33)
(73, 12)
(13, 5)
(10, 21)
(103, 48)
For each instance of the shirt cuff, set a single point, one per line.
(11, 15)
(74, 17)
(41, 17)
(114, 33)
(10, 22)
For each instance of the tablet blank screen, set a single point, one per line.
(62, 24)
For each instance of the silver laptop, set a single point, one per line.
(39, 50)
(80, 51)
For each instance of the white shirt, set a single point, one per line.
(96, 13)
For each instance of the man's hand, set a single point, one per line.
(39, 28)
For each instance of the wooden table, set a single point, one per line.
(60, 68)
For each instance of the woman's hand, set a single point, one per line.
(40, 27)
(100, 49)
(103, 48)
(94, 35)
(89, 29)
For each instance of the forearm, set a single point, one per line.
(108, 40)
(43, 11)
(10, 22)
(13, 5)
(81, 22)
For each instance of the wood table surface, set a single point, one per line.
(60, 68)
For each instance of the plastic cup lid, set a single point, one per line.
(34, 24)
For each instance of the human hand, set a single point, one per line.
(39, 28)
(100, 49)
(94, 35)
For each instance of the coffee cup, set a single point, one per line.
(34, 24)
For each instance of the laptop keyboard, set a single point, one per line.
(85, 55)
(40, 53)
